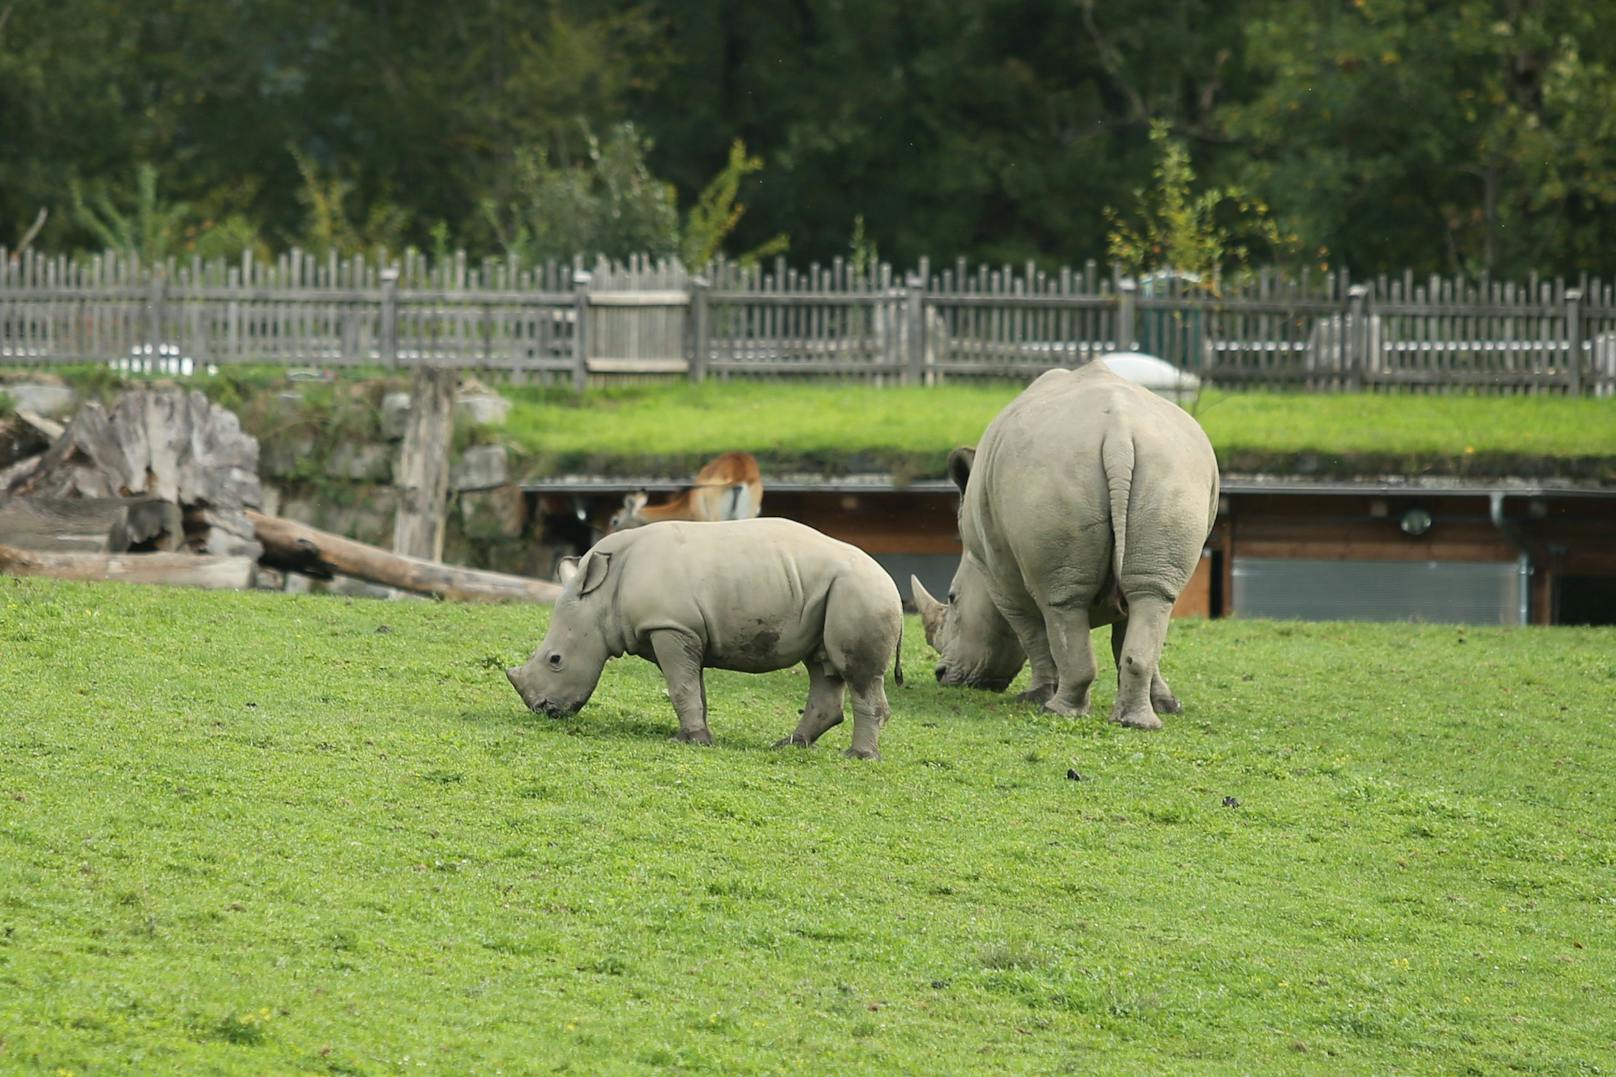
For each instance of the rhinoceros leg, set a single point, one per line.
(1137, 663)
(1034, 638)
(1162, 700)
(870, 713)
(679, 657)
(823, 710)
(1073, 652)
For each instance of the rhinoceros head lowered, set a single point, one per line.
(977, 645)
(561, 675)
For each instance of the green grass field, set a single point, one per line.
(671, 428)
(824, 425)
(256, 833)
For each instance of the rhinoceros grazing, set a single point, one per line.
(750, 595)
(1087, 503)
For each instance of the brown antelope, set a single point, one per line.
(728, 488)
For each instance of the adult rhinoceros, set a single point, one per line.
(1087, 502)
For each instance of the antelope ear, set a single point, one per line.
(959, 466)
(636, 501)
(595, 567)
(567, 569)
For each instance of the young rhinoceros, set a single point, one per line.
(750, 595)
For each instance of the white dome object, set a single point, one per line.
(1158, 375)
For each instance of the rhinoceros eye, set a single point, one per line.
(555, 661)
(951, 597)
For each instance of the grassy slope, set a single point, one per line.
(820, 425)
(672, 428)
(254, 833)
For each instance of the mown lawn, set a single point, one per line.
(822, 425)
(257, 833)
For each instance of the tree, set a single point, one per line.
(994, 128)
(1206, 234)
(716, 212)
(1471, 138)
(608, 205)
(145, 225)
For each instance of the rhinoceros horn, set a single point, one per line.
(931, 610)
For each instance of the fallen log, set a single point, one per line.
(300, 548)
(172, 569)
(14, 474)
(90, 524)
(49, 429)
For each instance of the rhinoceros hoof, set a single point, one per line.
(862, 753)
(1065, 710)
(1138, 721)
(1037, 695)
(1166, 705)
(693, 736)
(792, 741)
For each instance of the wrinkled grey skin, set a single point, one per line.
(1087, 503)
(750, 595)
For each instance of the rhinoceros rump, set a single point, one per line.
(750, 595)
(1087, 503)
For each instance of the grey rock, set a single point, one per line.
(364, 462)
(493, 514)
(395, 414)
(481, 467)
(51, 401)
(282, 457)
(484, 408)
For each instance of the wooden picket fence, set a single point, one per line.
(644, 318)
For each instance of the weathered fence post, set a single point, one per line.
(698, 328)
(156, 300)
(423, 465)
(388, 343)
(580, 329)
(1357, 335)
(914, 317)
(1127, 297)
(1573, 317)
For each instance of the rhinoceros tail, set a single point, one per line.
(897, 656)
(1116, 457)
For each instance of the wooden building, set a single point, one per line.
(1505, 552)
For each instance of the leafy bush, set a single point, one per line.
(144, 224)
(1203, 235)
(716, 213)
(609, 205)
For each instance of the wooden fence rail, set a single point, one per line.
(576, 323)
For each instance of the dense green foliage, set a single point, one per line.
(252, 833)
(1383, 134)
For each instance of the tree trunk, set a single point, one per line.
(423, 466)
(173, 569)
(299, 548)
(91, 524)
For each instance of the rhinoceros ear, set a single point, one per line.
(594, 569)
(566, 569)
(959, 466)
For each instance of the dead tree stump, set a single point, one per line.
(166, 443)
(423, 466)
